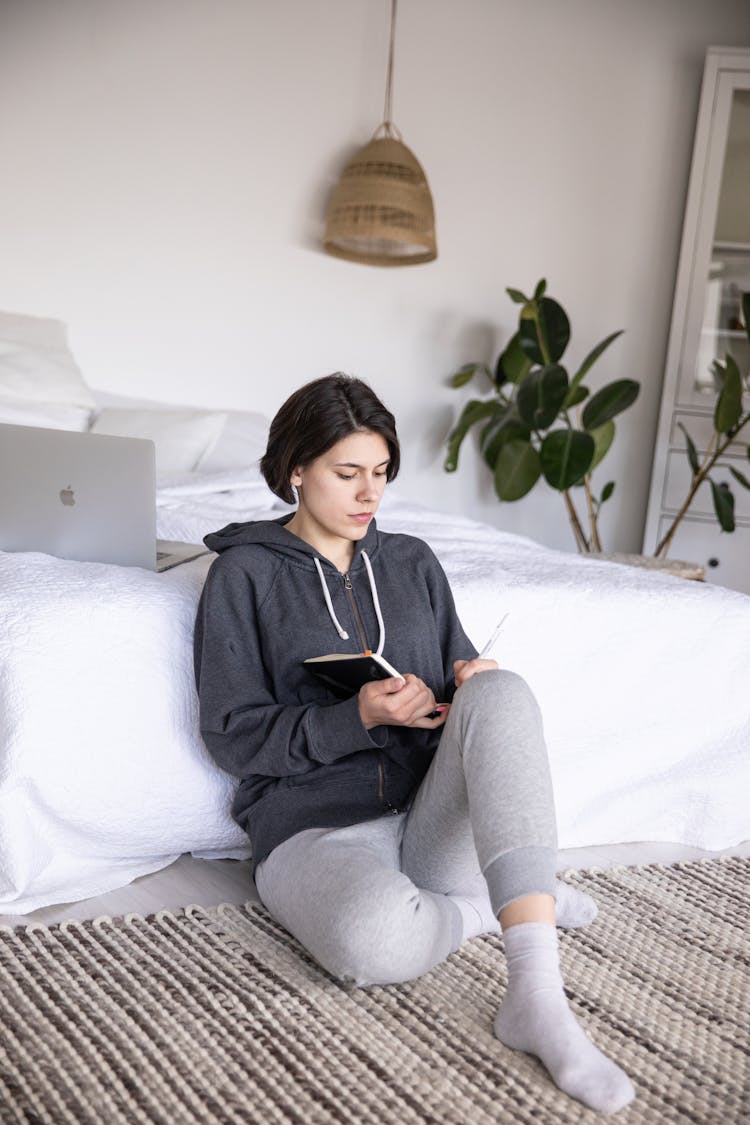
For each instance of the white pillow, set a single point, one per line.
(40, 382)
(241, 443)
(181, 437)
(45, 414)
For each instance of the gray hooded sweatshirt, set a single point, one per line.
(301, 753)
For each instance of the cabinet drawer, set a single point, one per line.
(679, 478)
(726, 557)
(700, 427)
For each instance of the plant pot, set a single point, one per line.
(665, 566)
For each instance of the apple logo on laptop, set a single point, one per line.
(67, 496)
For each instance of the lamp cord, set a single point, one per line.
(387, 122)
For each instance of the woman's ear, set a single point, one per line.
(296, 477)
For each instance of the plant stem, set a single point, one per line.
(709, 460)
(594, 541)
(575, 523)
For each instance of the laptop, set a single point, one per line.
(82, 496)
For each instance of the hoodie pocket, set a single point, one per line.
(360, 767)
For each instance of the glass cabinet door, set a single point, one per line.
(721, 266)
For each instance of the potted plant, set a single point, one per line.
(535, 425)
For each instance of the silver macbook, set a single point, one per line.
(83, 496)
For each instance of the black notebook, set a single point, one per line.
(348, 671)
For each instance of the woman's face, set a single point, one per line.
(340, 491)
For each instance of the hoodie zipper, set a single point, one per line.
(381, 788)
(358, 620)
(355, 612)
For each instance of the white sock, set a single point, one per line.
(535, 1017)
(573, 908)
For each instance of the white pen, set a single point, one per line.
(488, 647)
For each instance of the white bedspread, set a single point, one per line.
(643, 681)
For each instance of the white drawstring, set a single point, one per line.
(376, 602)
(341, 632)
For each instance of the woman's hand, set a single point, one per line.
(399, 703)
(463, 670)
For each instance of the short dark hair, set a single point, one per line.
(314, 419)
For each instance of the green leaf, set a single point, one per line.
(723, 505)
(566, 457)
(465, 374)
(528, 339)
(608, 402)
(555, 327)
(517, 470)
(738, 476)
(474, 411)
(574, 396)
(692, 452)
(514, 362)
(545, 337)
(592, 357)
(607, 492)
(729, 405)
(498, 431)
(540, 290)
(499, 377)
(603, 437)
(541, 395)
(517, 296)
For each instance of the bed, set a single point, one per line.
(642, 677)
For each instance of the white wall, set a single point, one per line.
(166, 165)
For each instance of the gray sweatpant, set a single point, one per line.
(371, 901)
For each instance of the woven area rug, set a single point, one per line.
(217, 1015)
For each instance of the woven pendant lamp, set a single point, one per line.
(381, 211)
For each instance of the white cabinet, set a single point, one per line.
(714, 271)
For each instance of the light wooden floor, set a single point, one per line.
(210, 882)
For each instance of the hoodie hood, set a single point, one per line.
(273, 535)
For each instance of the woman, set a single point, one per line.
(389, 827)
